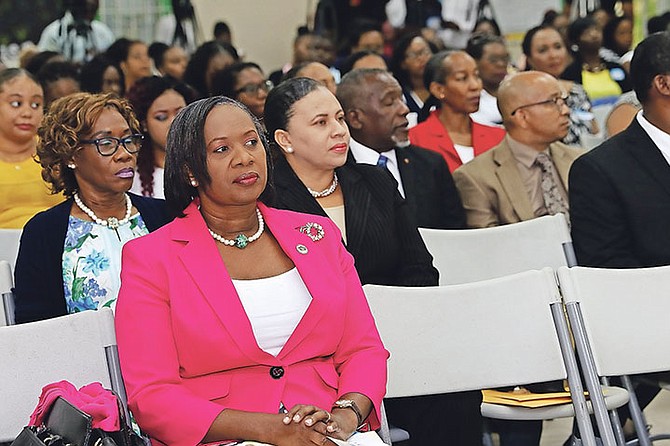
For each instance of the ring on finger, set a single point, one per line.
(328, 419)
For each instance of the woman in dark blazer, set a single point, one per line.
(313, 174)
(69, 256)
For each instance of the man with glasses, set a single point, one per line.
(525, 176)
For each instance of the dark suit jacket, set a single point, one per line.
(381, 234)
(620, 203)
(430, 191)
(39, 290)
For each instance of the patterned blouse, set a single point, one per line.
(92, 262)
(580, 114)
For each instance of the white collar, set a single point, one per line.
(365, 155)
(658, 136)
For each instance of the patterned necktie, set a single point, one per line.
(553, 200)
(381, 162)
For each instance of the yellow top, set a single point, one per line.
(23, 193)
(600, 85)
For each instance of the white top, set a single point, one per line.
(488, 113)
(159, 192)
(465, 153)
(60, 36)
(274, 306)
(365, 155)
(658, 136)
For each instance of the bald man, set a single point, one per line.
(505, 184)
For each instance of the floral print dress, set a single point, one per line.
(92, 262)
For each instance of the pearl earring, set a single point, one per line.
(289, 150)
(194, 183)
(71, 165)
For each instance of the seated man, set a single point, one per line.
(377, 118)
(525, 176)
(620, 191)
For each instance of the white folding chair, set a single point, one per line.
(500, 332)
(80, 348)
(619, 318)
(6, 295)
(469, 255)
(9, 245)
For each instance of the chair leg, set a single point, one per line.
(384, 431)
(616, 422)
(636, 413)
(487, 438)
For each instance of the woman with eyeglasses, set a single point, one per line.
(492, 57)
(410, 56)
(70, 255)
(244, 82)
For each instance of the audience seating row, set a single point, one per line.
(497, 319)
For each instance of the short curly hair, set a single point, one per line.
(69, 119)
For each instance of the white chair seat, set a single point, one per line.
(614, 397)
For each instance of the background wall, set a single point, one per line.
(263, 29)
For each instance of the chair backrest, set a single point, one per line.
(625, 316)
(9, 245)
(80, 348)
(493, 333)
(6, 295)
(469, 255)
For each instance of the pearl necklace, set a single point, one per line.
(241, 241)
(325, 192)
(111, 222)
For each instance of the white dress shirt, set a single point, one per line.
(658, 136)
(366, 155)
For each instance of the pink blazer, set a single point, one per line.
(431, 134)
(187, 348)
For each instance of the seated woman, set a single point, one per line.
(244, 82)
(312, 175)
(156, 101)
(70, 255)
(313, 70)
(210, 58)
(545, 51)
(100, 75)
(492, 57)
(603, 81)
(131, 57)
(23, 193)
(410, 56)
(227, 327)
(169, 60)
(455, 87)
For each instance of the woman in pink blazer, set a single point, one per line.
(455, 86)
(238, 321)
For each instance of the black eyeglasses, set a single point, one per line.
(108, 145)
(255, 88)
(559, 102)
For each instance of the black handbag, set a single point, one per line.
(66, 425)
